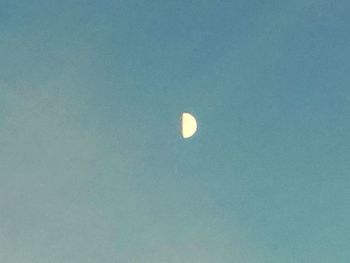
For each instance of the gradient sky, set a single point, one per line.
(92, 164)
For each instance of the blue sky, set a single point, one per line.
(92, 165)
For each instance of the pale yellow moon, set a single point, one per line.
(188, 125)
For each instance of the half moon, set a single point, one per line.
(188, 125)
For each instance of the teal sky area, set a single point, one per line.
(92, 164)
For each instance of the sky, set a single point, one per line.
(93, 167)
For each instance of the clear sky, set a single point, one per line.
(92, 164)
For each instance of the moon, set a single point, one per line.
(188, 125)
